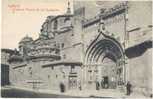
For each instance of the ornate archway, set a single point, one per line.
(105, 56)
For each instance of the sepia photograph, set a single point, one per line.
(76, 49)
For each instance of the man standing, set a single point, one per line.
(62, 87)
(128, 88)
(97, 85)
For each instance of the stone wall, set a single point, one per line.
(140, 72)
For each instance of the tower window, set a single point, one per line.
(72, 69)
(62, 45)
(55, 25)
(52, 67)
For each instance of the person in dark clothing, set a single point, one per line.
(62, 87)
(151, 96)
(128, 88)
(97, 85)
(80, 86)
(102, 84)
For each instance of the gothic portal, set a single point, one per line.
(104, 60)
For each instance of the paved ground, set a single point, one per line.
(16, 93)
(9, 92)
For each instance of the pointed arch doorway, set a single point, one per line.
(103, 60)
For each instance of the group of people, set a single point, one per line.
(103, 85)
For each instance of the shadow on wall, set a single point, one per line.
(4, 75)
(138, 50)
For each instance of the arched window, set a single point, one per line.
(67, 19)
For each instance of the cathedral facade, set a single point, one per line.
(97, 45)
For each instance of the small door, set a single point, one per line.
(105, 79)
(105, 82)
(73, 82)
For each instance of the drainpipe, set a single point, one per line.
(125, 42)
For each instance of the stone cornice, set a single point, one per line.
(117, 9)
(44, 56)
(61, 16)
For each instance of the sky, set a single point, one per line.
(25, 17)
